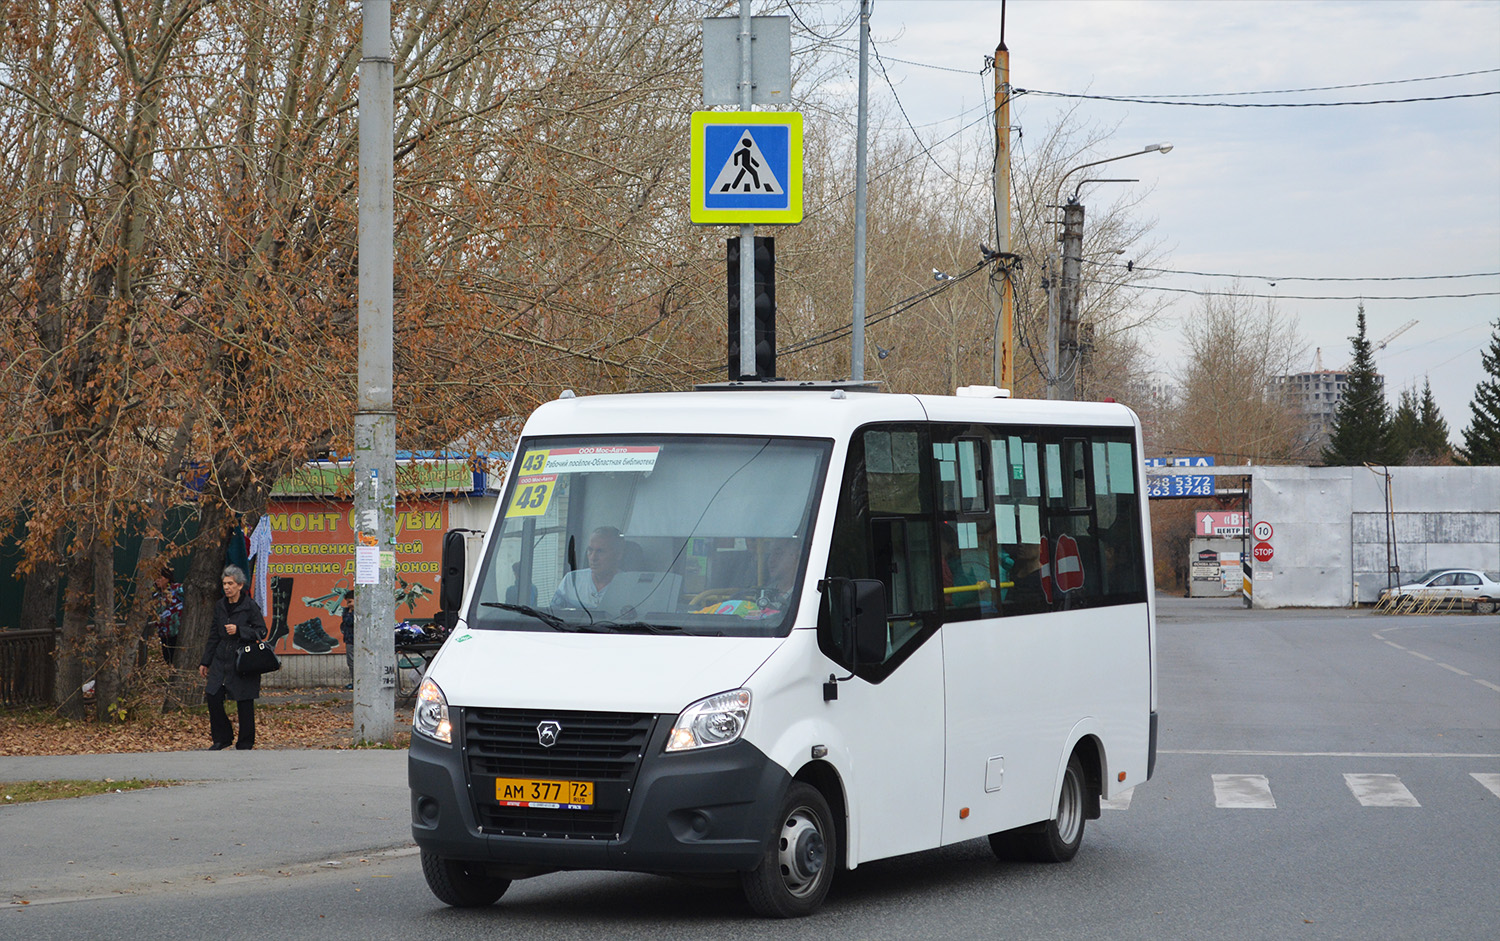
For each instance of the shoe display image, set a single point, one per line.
(281, 603)
(310, 636)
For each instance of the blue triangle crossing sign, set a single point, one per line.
(746, 171)
(746, 167)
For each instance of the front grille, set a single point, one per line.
(602, 747)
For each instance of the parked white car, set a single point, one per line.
(1480, 588)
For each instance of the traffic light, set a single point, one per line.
(765, 308)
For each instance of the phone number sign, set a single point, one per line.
(1181, 485)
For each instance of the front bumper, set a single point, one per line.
(704, 811)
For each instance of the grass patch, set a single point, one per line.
(25, 792)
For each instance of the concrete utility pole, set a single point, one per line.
(1064, 381)
(1067, 308)
(375, 420)
(747, 231)
(857, 354)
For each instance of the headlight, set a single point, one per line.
(717, 720)
(430, 714)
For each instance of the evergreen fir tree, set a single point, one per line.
(1405, 426)
(1429, 444)
(1362, 423)
(1482, 437)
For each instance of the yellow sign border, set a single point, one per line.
(701, 214)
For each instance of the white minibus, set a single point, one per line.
(775, 630)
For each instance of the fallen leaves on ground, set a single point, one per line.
(284, 718)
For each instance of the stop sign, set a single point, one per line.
(1262, 552)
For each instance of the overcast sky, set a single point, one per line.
(1373, 191)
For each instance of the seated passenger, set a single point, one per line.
(771, 597)
(959, 572)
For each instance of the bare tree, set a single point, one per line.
(1231, 401)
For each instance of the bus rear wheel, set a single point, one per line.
(1052, 841)
(460, 883)
(794, 874)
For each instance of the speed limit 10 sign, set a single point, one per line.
(1262, 531)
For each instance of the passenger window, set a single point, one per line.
(893, 473)
(883, 529)
(1017, 484)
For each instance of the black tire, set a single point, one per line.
(1052, 841)
(1484, 606)
(461, 883)
(794, 874)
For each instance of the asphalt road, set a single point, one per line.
(1322, 775)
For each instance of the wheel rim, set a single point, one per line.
(802, 852)
(1070, 808)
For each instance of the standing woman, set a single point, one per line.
(237, 622)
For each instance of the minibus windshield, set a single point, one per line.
(666, 534)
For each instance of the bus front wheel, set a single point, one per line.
(1051, 841)
(461, 884)
(797, 868)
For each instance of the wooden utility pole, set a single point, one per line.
(1004, 290)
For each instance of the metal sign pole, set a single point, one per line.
(747, 231)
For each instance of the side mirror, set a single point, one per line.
(857, 613)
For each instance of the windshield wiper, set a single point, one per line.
(547, 618)
(646, 627)
(639, 627)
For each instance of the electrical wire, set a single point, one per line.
(892, 169)
(819, 36)
(1275, 278)
(1252, 104)
(1303, 297)
(885, 313)
(1293, 91)
(854, 53)
(891, 85)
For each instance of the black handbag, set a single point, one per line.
(255, 659)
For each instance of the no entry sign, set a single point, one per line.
(1067, 567)
(1263, 552)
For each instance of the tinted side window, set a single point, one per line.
(978, 521)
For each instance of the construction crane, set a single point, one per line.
(1380, 344)
(1393, 335)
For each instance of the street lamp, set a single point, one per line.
(1063, 324)
(1164, 147)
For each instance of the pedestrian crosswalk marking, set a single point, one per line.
(1243, 791)
(746, 170)
(1118, 802)
(1238, 791)
(1380, 790)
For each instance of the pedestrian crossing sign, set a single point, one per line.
(746, 167)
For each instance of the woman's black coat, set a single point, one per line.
(219, 652)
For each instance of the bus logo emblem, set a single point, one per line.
(547, 732)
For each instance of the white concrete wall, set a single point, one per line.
(1330, 539)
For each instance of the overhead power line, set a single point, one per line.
(875, 48)
(1252, 104)
(1275, 278)
(1297, 297)
(1294, 91)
